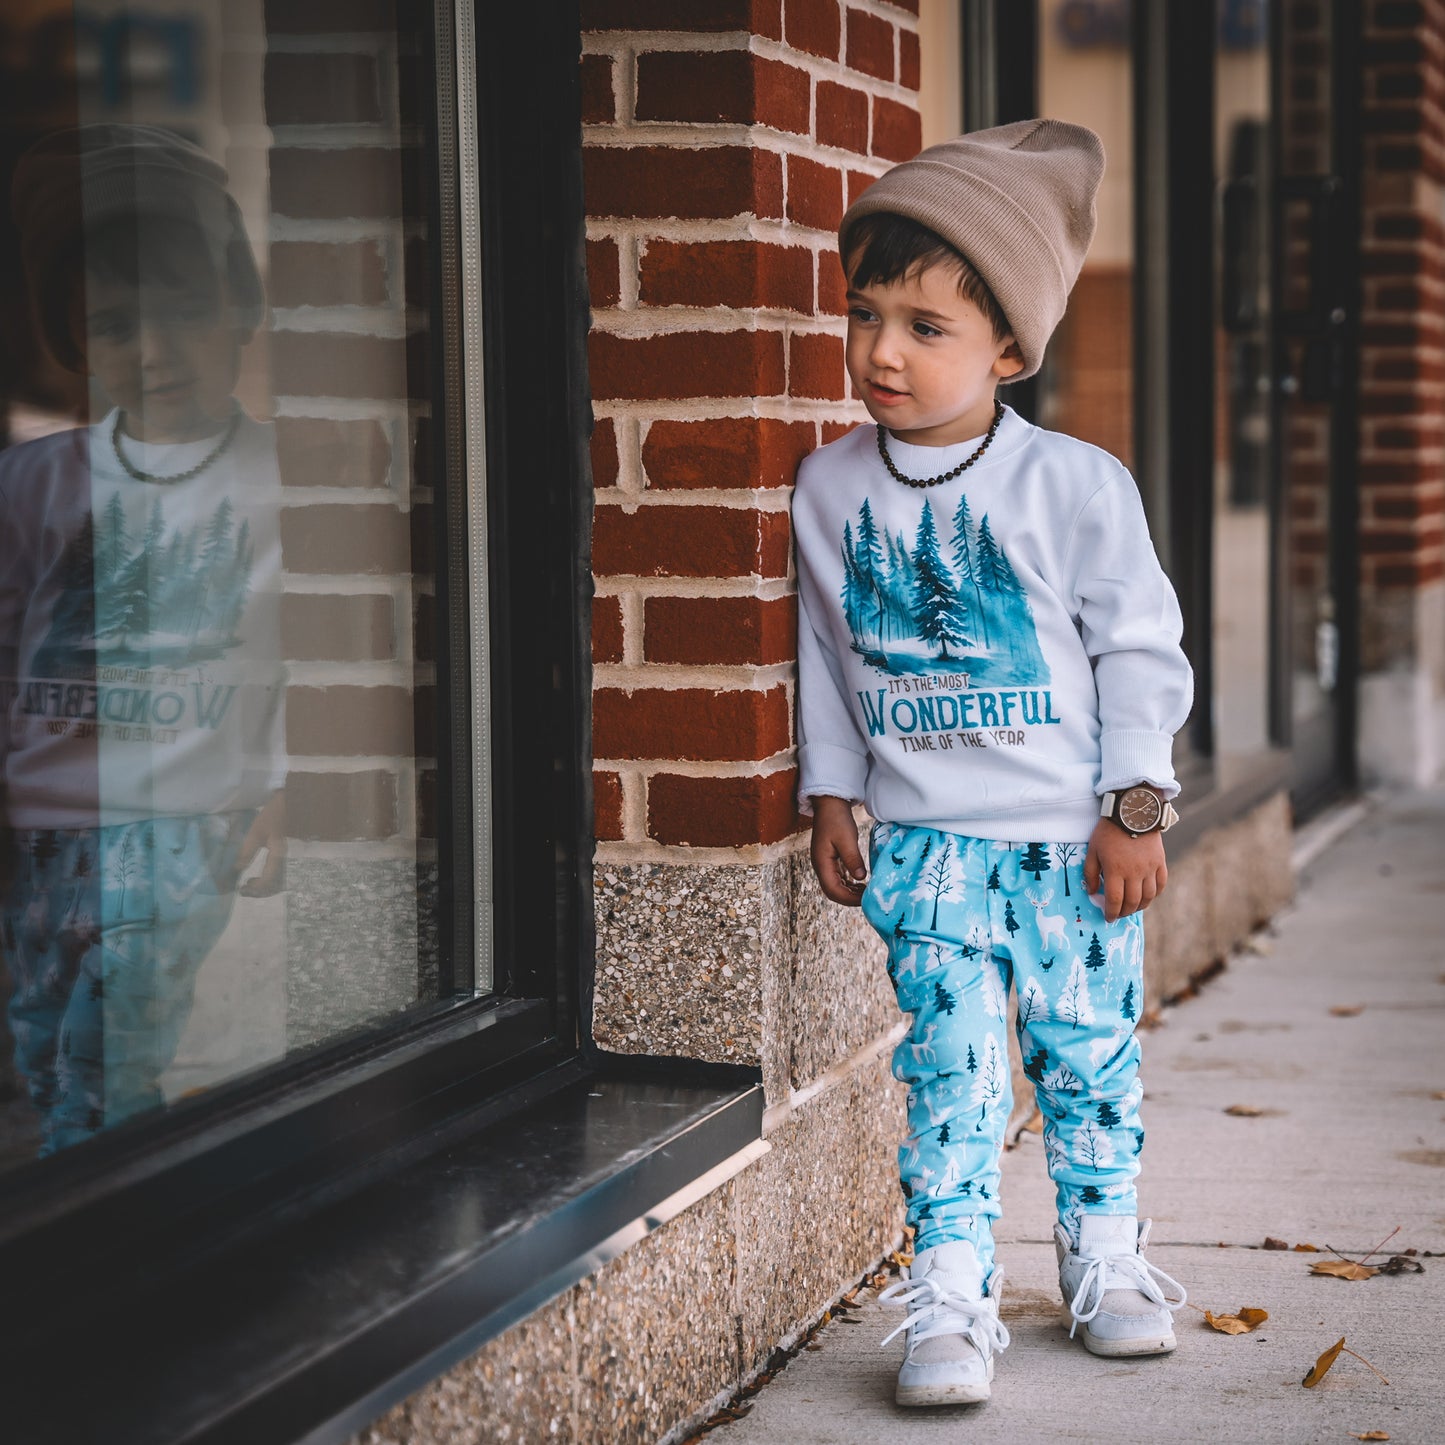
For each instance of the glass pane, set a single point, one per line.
(1308, 222)
(216, 587)
(1086, 386)
(1242, 383)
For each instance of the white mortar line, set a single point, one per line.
(770, 499)
(649, 321)
(733, 677)
(717, 408)
(778, 763)
(767, 589)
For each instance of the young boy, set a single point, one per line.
(142, 735)
(989, 659)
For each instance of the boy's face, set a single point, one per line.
(168, 356)
(924, 358)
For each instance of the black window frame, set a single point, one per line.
(285, 1258)
(210, 1166)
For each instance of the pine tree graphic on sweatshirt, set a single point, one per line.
(137, 594)
(939, 604)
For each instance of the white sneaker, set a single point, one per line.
(953, 1327)
(1125, 1304)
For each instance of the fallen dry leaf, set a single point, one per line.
(1321, 1366)
(1270, 1242)
(1244, 1111)
(1307, 1249)
(1347, 1010)
(1343, 1269)
(1374, 1435)
(1241, 1322)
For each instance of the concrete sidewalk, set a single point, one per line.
(1350, 1143)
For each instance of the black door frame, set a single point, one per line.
(1319, 774)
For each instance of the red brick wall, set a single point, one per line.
(723, 140)
(1402, 472)
(1092, 362)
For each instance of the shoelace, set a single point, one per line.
(941, 1311)
(1121, 1271)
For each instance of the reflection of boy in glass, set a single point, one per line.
(140, 566)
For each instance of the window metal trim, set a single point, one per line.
(460, 166)
(474, 464)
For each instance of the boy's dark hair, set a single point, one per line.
(880, 248)
(135, 203)
(143, 252)
(136, 253)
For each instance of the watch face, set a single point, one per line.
(1140, 810)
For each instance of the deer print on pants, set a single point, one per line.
(1079, 982)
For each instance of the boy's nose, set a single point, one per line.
(157, 342)
(885, 352)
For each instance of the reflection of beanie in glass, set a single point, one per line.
(74, 181)
(1018, 202)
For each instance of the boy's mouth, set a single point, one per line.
(887, 395)
(168, 391)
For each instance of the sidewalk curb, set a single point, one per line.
(1324, 831)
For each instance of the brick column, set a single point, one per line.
(1402, 462)
(721, 149)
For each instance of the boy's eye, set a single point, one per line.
(860, 313)
(191, 311)
(117, 330)
(924, 329)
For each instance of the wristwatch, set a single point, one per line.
(1138, 810)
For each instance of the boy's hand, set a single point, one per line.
(267, 833)
(837, 859)
(1134, 869)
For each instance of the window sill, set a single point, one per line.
(312, 1327)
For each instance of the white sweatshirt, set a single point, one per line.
(990, 655)
(140, 666)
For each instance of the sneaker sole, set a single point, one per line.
(1116, 1349)
(961, 1394)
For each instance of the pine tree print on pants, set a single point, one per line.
(954, 958)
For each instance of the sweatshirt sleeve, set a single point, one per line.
(832, 753)
(1131, 626)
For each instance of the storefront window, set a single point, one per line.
(1313, 239)
(217, 585)
(1085, 75)
(1242, 451)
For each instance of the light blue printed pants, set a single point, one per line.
(103, 931)
(965, 918)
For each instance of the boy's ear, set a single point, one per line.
(1009, 361)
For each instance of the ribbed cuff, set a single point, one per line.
(1137, 757)
(827, 771)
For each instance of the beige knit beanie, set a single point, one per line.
(1018, 202)
(72, 181)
